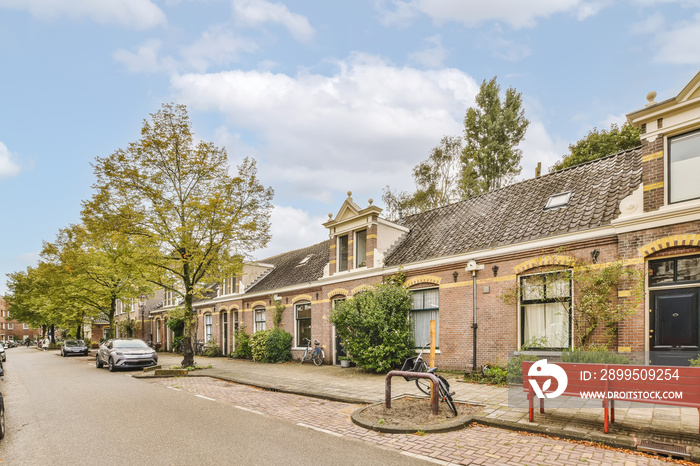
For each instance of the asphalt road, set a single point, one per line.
(64, 411)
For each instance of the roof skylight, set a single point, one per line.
(304, 260)
(558, 200)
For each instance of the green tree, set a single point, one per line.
(196, 221)
(375, 328)
(599, 143)
(437, 181)
(492, 130)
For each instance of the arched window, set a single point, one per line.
(207, 327)
(259, 318)
(303, 323)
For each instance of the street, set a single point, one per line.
(65, 411)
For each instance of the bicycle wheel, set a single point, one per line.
(318, 357)
(445, 394)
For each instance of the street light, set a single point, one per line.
(142, 303)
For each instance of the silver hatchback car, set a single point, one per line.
(121, 353)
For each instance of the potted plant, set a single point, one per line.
(344, 361)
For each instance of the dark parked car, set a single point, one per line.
(3, 355)
(2, 408)
(125, 352)
(69, 347)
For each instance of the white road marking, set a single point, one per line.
(206, 397)
(249, 410)
(319, 429)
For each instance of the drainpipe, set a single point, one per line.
(472, 267)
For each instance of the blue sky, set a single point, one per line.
(327, 96)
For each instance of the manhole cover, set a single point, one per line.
(668, 449)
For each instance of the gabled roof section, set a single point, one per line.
(516, 213)
(289, 271)
(672, 115)
(349, 213)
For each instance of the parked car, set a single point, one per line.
(125, 352)
(3, 356)
(2, 408)
(69, 347)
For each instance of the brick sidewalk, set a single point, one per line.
(474, 445)
(565, 417)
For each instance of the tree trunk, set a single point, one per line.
(187, 351)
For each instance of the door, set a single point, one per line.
(225, 328)
(674, 333)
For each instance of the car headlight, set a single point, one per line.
(119, 353)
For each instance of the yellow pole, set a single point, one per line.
(432, 343)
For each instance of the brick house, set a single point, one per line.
(12, 330)
(641, 206)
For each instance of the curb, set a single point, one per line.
(459, 423)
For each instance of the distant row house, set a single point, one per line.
(12, 330)
(640, 206)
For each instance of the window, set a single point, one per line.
(684, 165)
(303, 316)
(675, 270)
(304, 260)
(207, 328)
(343, 253)
(558, 200)
(546, 310)
(10, 326)
(259, 319)
(25, 327)
(361, 249)
(229, 286)
(426, 307)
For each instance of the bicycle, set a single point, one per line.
(417, 364)
(317, 355)
(199, 348)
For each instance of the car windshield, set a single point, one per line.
(129, 344)
(75, 343)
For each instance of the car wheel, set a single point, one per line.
(110, 364)
(98, 363)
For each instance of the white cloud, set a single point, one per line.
(145, 59)
(538, 146)
(7, 166)
(432, 54)
(137, 14)
(678, 44)
(366, 125)
(293, 229)
(516, 13)
(652, 24)
(256, 12)
(217, 46)
(503, 48)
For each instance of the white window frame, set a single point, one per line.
(356, 258)
(297, 308)
(694, 133)
(427, 310)
(262, 323)
(522, 303)
(208, 327)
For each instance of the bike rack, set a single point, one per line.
(434, 399)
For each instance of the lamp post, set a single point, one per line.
(142, 304)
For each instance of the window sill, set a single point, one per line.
(437, 351)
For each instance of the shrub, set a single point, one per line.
(271, 346)
(491, 375)
(211, 349)
(242, 349)
(594, 355)
(375, 328)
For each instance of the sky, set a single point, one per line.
(327, 96)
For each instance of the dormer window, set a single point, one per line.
(558, 200)
(684, 165)
(343, 253)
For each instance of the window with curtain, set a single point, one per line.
(259, 319)
(303, 321)
(546, 310)
(684, 164)
(343, 253)
(426, 307)
(207, 327)
(361, 249)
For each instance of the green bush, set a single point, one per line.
(211, 349)
(242, 349)
(375, 328)
(271, 346)
(594, 356)
(490, 375)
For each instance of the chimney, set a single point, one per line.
(538, 170)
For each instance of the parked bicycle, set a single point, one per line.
(417, 364)
(317, 355)
(199, 348)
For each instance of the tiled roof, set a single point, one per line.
(289, 271)
(516, 213)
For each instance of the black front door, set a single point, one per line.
(674, 333)
(225, 329)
